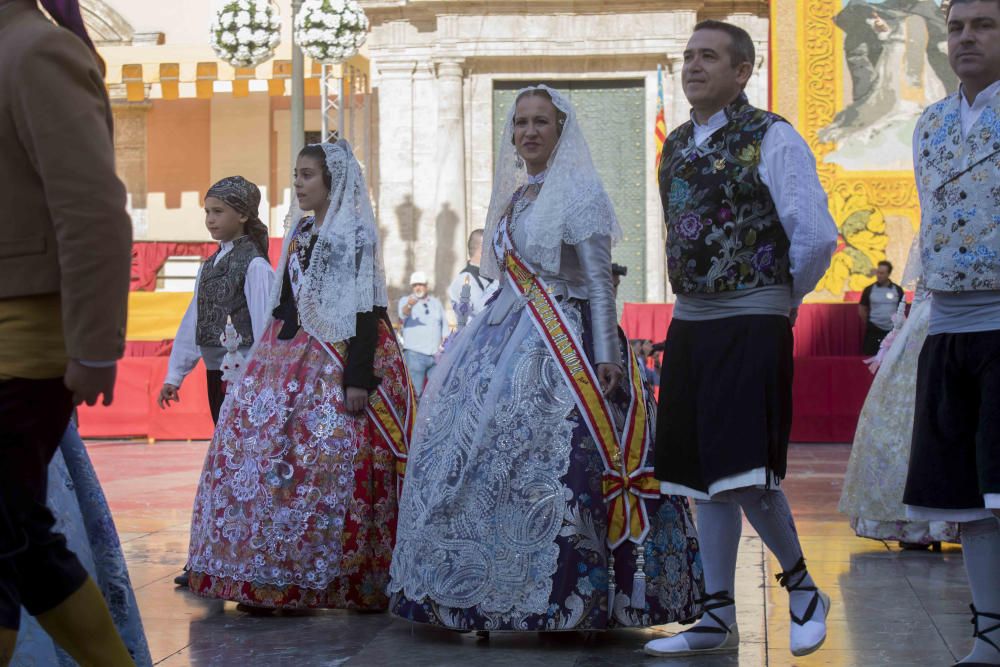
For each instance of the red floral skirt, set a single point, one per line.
(296, 505)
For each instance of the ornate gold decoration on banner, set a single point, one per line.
(861, 200)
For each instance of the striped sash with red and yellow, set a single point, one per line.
(627, 482)
(397, 429)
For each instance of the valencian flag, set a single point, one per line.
(660, 129)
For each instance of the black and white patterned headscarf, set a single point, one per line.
(243, 197)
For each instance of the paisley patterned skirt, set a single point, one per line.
(296, 507)
(503, 523)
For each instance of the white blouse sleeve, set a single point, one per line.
(788, 169)
(185, 354)
(257, 289)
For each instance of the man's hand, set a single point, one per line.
(168, 392)
(609, 376)
(355, 400)
(88, 383)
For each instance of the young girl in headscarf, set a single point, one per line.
(296, 507)
(234, 283)
(529, 502)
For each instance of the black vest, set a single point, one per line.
(723, 231)
(220, 294)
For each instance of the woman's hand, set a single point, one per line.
(355, 399)
(609, 376)
(168, 393)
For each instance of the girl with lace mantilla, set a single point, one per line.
(529, 502)
(297, 501)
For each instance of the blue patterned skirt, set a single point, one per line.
(82, 516)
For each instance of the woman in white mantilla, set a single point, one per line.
(529, 502)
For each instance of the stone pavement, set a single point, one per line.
(889, 607)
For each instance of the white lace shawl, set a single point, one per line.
(345, 275)
(571, 207)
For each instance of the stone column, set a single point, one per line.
(395, 203)
(678, 108)
(425, 144)
(451, 228)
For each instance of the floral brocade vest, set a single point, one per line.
(723, 232)
(221, 295)
(958, 179)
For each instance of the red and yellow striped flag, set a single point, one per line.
(660, 128)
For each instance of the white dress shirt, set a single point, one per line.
(257, 288)
(788, 170)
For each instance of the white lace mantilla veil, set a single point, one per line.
(571, 207)
(345, 275)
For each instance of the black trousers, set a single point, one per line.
(37, 570)
(873, 339)
(955, 452)
(216, 393)
(725, 403)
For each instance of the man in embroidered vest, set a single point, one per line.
(748, 235)
(955, 456)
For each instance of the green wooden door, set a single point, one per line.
(612, 115)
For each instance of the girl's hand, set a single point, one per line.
(168, 393)
(355, 399)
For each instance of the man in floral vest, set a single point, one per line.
(955, 457)
(748, 235)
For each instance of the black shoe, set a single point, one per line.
(254, 610)
(183, 579)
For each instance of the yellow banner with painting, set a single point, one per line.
(854, 82)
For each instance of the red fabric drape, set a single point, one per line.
(827, 396)
(135, 413)
(274, 250)
(148, 348)
(822, 329)
(148, 258)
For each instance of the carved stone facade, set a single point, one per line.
(435, 64)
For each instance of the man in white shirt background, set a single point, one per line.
(424, 327)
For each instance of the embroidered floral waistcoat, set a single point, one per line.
(723, 231)
(959, 188)
(221, 295)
